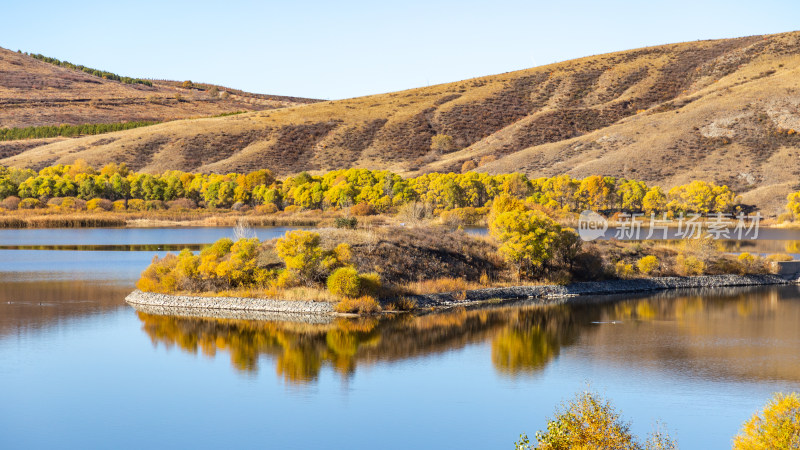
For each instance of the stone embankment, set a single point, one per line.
(558, 292)
(154, 300)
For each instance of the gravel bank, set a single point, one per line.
(153, 300)
(556, 292)
(270, 309)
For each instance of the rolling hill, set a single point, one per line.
(725, 110)
(37, 93)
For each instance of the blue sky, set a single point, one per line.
(346, 49)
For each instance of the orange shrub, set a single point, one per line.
(360, 305)
(362, 209)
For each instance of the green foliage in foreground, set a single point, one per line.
(98, 73)
(12, 134)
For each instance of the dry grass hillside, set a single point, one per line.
(37, 93)
(722, 110)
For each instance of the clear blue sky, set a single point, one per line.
(351, 48)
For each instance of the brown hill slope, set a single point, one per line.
(720, 110)
(37, 93)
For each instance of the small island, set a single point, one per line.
(372, 269)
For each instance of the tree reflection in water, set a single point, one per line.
(524, 338)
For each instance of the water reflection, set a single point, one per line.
(741, 334)
(27, 305)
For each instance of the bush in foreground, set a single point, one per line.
(344, 282)
(776, 427)
(590, 421)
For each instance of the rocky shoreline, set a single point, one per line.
(258, 308)
(243, 304)
(560, 292)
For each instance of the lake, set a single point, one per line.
(80, 368)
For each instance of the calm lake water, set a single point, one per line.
(81, 369)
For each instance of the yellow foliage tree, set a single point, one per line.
(776, 427)
(528, 239)
(302, 254)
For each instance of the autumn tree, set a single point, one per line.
(590, 421)
(654, 201)
(442, 143)
(528, 240)
(776, 426)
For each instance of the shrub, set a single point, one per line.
(745, 258)
(457, 217)
(30, 203)
(689, 265)
(468, 165)
(442, 143)
(10, 203)
(267, 208)
(73, 203)
(778, 257)
(159, 276)
(302, 254)
(776, 426)
(623, 270)
(362, 209)
(287, 279)
(750, 263)
(181, 204)
(292, 209)
(647, 264)
(341, 255)
(587, 421)
(486, 160)
(99, 204)
(346, 222)
(403, 304)
(370, 284)
(590, 422)
(154, 205)
(136, 204)
(360, 305)
(119, 205)
(344, 282)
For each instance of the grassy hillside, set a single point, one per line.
(36, 93)
(725, 111)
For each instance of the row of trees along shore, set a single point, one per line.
(368, 191)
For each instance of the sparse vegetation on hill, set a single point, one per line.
(35, 93)
(98, 73)
(10, 134)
